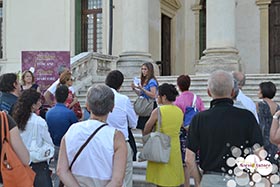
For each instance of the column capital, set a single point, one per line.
(262, 3)
(196, 7)
(224, 50)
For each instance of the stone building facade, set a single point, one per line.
(183, 36)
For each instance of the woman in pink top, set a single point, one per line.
(186, 97)
(185, 100)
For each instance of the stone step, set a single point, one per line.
(195, 82)
(139, 175)
(199, 86)
(139, 168)
(140, 181)
(138, 139)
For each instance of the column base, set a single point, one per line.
(130, 63)
(218, 58)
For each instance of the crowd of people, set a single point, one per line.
(96, 147)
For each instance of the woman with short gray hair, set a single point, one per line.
(100, 100)
(102, 162)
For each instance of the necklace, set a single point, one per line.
(98, 119)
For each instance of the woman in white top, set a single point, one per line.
(28, 121)
(103, 160)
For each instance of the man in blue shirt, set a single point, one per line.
(59, 119)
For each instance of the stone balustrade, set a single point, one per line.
(89, 66)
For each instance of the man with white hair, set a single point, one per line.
(216, 131)
(247, 102)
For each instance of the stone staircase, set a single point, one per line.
(198, 86)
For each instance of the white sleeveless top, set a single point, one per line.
(94, 165)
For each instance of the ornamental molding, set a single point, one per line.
(170, 7)
(263, 2)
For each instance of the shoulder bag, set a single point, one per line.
(190, 112)
(40, 153)
(143, 106)
(156, 145)
(81, 149)
(14, 173)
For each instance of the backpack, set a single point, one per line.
(190, 112)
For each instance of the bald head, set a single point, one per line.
(240, 78)
(220, 84)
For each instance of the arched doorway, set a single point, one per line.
(274, 36)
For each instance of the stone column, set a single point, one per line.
(221, 52)
(135, 38)
(196, 10)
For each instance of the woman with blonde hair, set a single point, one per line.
(28, 81)
(72, 101)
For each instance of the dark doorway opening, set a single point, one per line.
(274, 37)
(202, 28)
(165, 45)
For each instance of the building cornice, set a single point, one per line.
(263, 2)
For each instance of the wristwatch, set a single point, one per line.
(275, 117)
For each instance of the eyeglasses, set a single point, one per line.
(144, 69)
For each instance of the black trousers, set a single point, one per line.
(43, 175)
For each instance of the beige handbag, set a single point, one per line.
(143, 106)
(156, 145)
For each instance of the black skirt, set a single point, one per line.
(142, 120)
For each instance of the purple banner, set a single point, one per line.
(44, 65)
